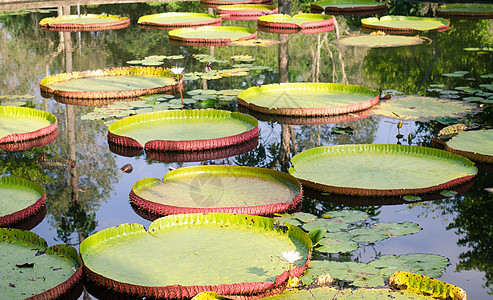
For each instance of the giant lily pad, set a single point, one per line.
(377, 41)
(469, 10)
(20, 199)
(406, 23)
(216, 3)
(418, 108)
(31, 269)
(21, 124)
(219, 35)
(179, 257)
(331, 6)
(425, 285)
(231, 189)
(245, 11)
(183, 130)
(308, 99)
(476, 145)
(179, 19)
(89, 22)
(299, 21)
(384, 170)
(125, 82)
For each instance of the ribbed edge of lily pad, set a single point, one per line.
(32, 113)
(213, 21)
(195, 156)
(28, 211)
(310, 120)
(29, 238)
(346, 41)
(118, 23)
(187, 145)
(26, 145)
(174, 35)
(178, 291)
(356, 200)
(126, 151)
(368, 23)
(305, 112)
(226, 11)
(266, 209)
(483, 158)
(485, 11)
(31, 221)
(411, 150)
(270, 21)
(120, 71)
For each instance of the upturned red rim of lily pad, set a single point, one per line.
(215, 3)
(246, 10)
(22, 139)
(290, 22)
(458, 145)
(186, 35)
(153, 21)
(45, 83)
(64, 23)
(28, 211)
(214, 176)
(217, 221)
(117, 135)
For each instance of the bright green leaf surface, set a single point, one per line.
(113, 83)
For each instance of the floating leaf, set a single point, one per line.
(447, 120)
(368, 235)
(398, 229)
(330, 245)
(451, 130)
(448, 193)
(411, 198)
(348, 216)
(487, 76)
(329, 224)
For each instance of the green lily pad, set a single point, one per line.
(232, 189)
(405, 23)
(476, 145)
(448, 193)
(30, 268)
(380, 169)
(307, 99)
(426, 264)
(179, 19)
(329, 245)
(20, 199)
(418, 108)
(379, 41)
(411, 198)
(347, 5)
(348, 216)
(397, 229)
(297, 21)
(87, 22)
(329, 224)
(180, 251)
(19, 124)
(212, 34)
(368, 235)
(183, 130)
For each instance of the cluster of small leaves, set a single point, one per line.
(15, 100)
(483, 94)
(216, 74)
(343, 231)
(154, 60)
(26, 12)
(210, 98)
(414, 198)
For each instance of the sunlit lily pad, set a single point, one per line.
(377, 41)
(475, 144)
(31, 268)
(426, 264)
(369, 170)
(179, 19)
(296, 21)
(179, 255)
(89, 22)
(347, 5)
(418, 108)
(183, 130)
(308, 99)
(331, 245)
(20, 199)
(405, 23)
(122, 82)
(245, 11)
(368, 235)
(465, 10)
(212, 34)
(332, 225)
(397, 229)
(231, 189)
(20, 124)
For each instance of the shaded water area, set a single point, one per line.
(95, 194)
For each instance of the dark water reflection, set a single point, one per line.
(94, 194)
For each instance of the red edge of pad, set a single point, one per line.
(163, 209)
(245, 13)
(194, 145)
(222, 2)
(23, 213)
(118, 24)
(302, 112)
(471, 155)
(179, 291)
(377, 192)
(210, 22)
(29, 144)
(314, 24)
(26, 136)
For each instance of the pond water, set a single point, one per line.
(94, 195)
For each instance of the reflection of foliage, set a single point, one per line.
(474, 223)
(24, 164)
(75, 219)
(260, 156)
